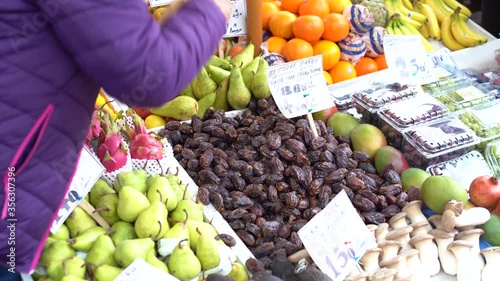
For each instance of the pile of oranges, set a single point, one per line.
(305, 28)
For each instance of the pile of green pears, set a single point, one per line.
(153, 218)
(224, 84)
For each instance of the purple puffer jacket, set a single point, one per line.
(54, 57)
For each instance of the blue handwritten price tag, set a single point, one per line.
(336, 238)
(237, 24)
(299, 87)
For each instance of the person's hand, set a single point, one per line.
(226, 7)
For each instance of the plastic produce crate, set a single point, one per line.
(437, 142)
(369, 101)
(396, 117)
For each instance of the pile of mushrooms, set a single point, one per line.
(412, 247)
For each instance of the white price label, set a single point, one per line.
(237, 24)
(299, 87)
(336, 238)
(157, 3)
(406, 56)
(141, 270)
(89, 169)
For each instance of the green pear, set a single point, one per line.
(131, 203)
(156, 262)
(259, 85)
(206, 251)
(250, 71)
(180, 108)
(205, 103)
(72, 278)
(121, 231)
(79, 221)
(238, 272)
(61, 234)
(106, 272)
(217, 74)
(179, 230)
(152, 222)
(245, 57)
(102, 252)
(135, 179)
(183, 263)
(206, 228)
(187, 91)
(186, 209)
(220, 102)
(75, 266)
(106, 206)
(57, 251)
(219, 62)
(160, 189)
(84, 241)
(100, 188)
(203, 84)
(129, 250)
(55, 270)
(238, 95)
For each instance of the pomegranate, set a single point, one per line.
(484, 192)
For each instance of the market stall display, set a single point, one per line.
(222, 187)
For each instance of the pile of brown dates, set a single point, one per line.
(268, 175)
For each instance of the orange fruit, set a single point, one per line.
(291, 5)
(365, 66)
(318, 8)
(280, 24)
(297, 49)
(328, 78)
(338, 6)
(381, 63)
(309, 28)
(275, 44)
(330, 52)
(342, 71)
(336, 27)
(268, 9)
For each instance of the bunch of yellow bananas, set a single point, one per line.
(457, 35)
(397, 25)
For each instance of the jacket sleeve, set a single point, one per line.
(139, 62)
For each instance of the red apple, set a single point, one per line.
(325, 113)
(142, 112)
(484, 192)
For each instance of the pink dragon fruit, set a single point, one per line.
(143, 145)
(111, 150)
(94, 130)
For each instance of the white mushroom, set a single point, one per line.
(370, 261)
(468, 218)
(390, 249)
(381, 232)
(398, 220)
(398, 263)
(446, 257)
(360, 277)
(384, 274)
(414, 212)
(417, 270)
(435, 220)
(462, 251)
(491, 270)
(402, 235)
(428, 252)
(472, 236)
(420, 228)
(372, 228)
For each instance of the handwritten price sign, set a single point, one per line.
(336, 237)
